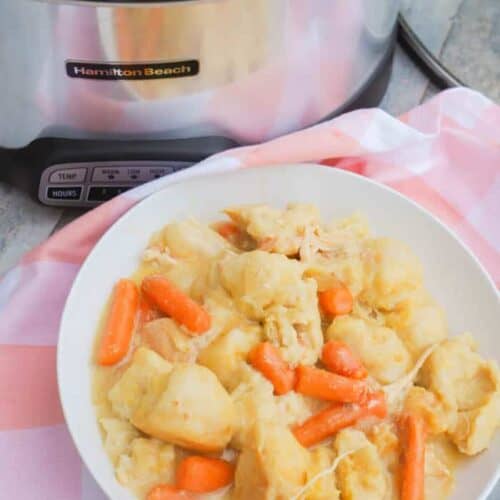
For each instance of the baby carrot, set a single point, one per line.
(328, 422)
(339, 358)
(335, 301)
(167, 492)
(176, 304)
(321, 384)
(204, 474)
(266, 358)
(413, 431)
(119, 327)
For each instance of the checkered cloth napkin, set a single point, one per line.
(444, 155)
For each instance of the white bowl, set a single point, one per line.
(452, 274)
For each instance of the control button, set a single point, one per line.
(142, 173)
(135, 174)
(70, 175)
(157, 172)
(64, 193)
(110, 174)
(105, 193)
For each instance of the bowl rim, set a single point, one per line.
(117, 224)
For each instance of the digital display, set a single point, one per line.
(105, 193)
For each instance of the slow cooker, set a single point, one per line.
(97, 97)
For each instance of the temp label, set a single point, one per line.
(139, 71)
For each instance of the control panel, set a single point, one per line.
(88, 184)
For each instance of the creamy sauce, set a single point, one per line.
(442, 457)
(440, 482)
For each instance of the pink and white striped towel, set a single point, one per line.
(445, 155)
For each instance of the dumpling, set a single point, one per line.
(438, 468)
(350, 270)
(272, 467)
(420, 323)
(379, 348)
(385, 437)
(437, 417)
(361, 475)
(475, 428)
(195, 277)
(166, 338)
(148, 462)
(340, 253)
(468, 385)
(258, 280)
(253, 402)
(439, 458)
(458, 375)
(189, 407)
(190, 239)
(294, 408)
(118, 436)
(275, 230)
(398, 273)
(185, 253)
(324, 488)
(223, 314)
(226, 353)
(187, 274)
(172, 342)
(146, 367)
(270, 288)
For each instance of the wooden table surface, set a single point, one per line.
(464, 33)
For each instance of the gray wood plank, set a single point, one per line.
(24, 223)
(432, 21)
(472, 49)
(406, 87)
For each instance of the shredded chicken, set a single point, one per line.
(396, 392)
(156, 254)
(325, 472)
